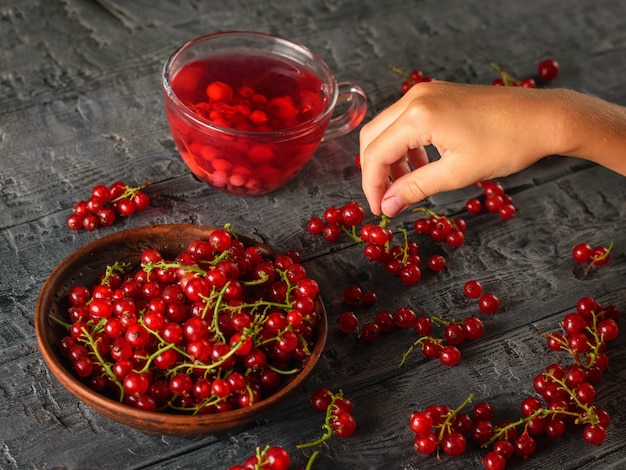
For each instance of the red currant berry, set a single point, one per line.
(474, 206)
(352, 295)
(600, 256)
(352, 214)
(425, 443)
(410, 275)
(548, 69)
(525, 445)
(488, 303)
(385, 321)
(437, 263)
(404, 317)
(331, 233)
(450, 355)
(453, 444)
(370, 332)
(608, 330)
(423, 326)
(277, 458)
(343, 425)
(594, 434)
(482, 411)
(321, 399)
(494, 461)
(421, 422)
(507, 211)
(474, 328)
(75, 222)
(581, 253)
(347, 322)
(454, 333)
(315, 226)
(472, 289)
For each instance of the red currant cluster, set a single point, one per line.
(337, 220)
(495, 199)
(441, 228)
(585, 253)
(339, 421)
(269, 458)
(585, 334)
(440, 428)
(106, 203)
(454, 333)
(215, 329)
(547, 71)
(354, 295)
(568, 392)
(445, 347)
(488, 302)
(401, 261)
(413, 77)
(339, 418)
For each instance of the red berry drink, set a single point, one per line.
(248, 122)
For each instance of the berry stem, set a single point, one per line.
(111, 270)
(400, 72)
(328, 430)
(106, 366)
(131, 191)
(418, 342)
(596, 259)
(309, 464)
(507, 78)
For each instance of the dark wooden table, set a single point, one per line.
(80, 104)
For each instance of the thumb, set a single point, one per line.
(433, 178)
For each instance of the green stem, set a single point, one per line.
(115, 268)
(352, 233)
(446, 425)
(399, 71)
(100, 360)
(131, 191)
(328, 430)
(419, 341)
(309, 464)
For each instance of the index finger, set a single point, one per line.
(384, 141)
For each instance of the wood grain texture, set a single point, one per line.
(80, 104)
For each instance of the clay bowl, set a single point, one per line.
(84, 266)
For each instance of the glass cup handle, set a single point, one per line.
(354, 98)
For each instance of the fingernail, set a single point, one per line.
(393, 205)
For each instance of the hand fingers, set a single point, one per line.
(433, 178)
(384, 154)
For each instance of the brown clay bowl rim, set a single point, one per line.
(82, 266)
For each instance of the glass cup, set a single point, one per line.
(247, 110)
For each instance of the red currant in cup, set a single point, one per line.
(277, 107)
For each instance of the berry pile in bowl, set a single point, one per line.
(180, 329)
